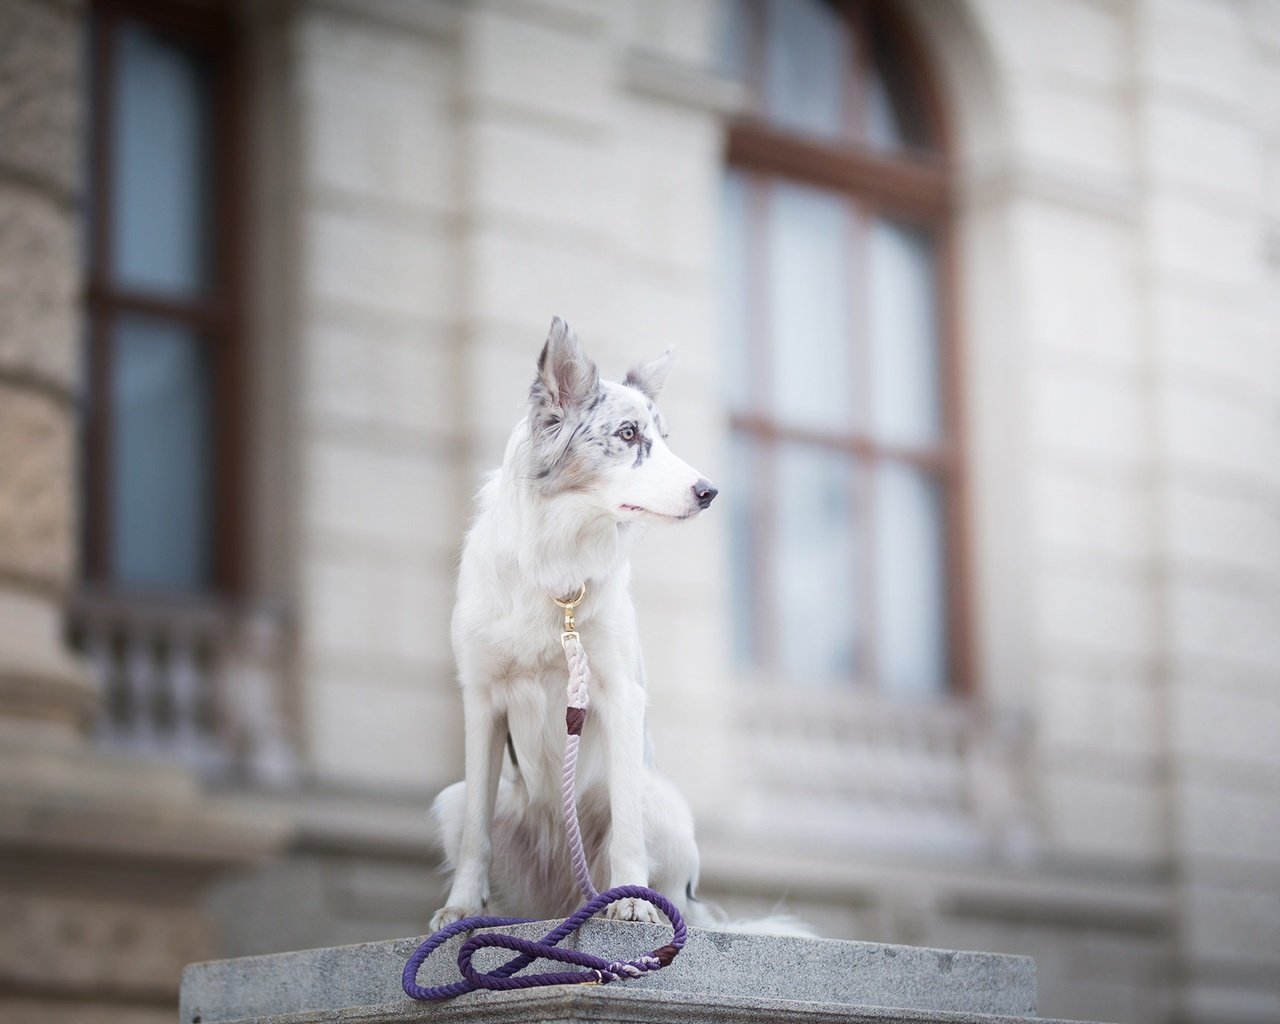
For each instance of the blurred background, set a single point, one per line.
(977, 311)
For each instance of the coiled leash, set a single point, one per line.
(599, 971)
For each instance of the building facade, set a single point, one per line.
(274, 279)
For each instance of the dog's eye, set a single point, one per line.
(627, 432)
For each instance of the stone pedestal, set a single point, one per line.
(719, 976)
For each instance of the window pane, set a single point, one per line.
(807, 62)
(904, 335)
(911, 626)
(810, 269)
(815, 564)
(160, 433)
(895, 117)
(744, 545)
(161, 176)
(883, 129)
(735, 287)
(735, 39)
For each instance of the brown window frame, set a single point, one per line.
(216, 316)
(910, 185)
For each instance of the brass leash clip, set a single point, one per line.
(570, 627)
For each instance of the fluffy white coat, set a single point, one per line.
(588, 465)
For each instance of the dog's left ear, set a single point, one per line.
(567, 379)
(650, 377)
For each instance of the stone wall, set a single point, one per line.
(39, 325)
(104, 862)
(1208, 161)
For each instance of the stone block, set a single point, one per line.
(367, 732)
(729, 977)
(1224, 625)
(1225, 724)
(1230, 825)
(375, 42)
(1076, 273)
(382, 377)
(657, 310)
(391, 609)
(40, 49)
(1116, 711)
(81, 946)
(31, 1011)
(1084, 516)
(1072, 40)
(1200, 149)
(1205, 245)
(37, 513)
(39, 285)
(1202, 334)
(1265, 21)
(1232, 922)
(686, 31)
(519, 279)
(500, 363)
(328, 888)
(1091, 415)
(1114, 817)
(1229, 436)
(667, 165)
(556, 181)
(1096, 613)
(1069, 131)
(1197, 47)
(1271, 170)
(1254, 1000)
(1212, 531)
(405, 499)
(538, 66)
(380, 125)
(368, 259)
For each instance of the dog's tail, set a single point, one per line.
(703, 914)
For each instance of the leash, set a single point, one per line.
(599, 971)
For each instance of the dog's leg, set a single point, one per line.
(622, 730)
(486, 730)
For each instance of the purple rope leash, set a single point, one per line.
(599, 971)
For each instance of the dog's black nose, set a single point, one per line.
(704, 492)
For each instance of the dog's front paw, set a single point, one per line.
(446, 916)
(633, 910)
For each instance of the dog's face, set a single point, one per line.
(607, 442)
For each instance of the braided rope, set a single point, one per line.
(599, 971)
(579, 699)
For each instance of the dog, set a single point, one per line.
(585, 468)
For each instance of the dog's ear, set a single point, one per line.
(566, 379)
(650, 377)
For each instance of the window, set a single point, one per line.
(162, 482)
(845, 520)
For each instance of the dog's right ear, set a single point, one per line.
(567, 379)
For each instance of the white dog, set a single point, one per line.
(587, 466)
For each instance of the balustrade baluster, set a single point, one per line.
(139, 725)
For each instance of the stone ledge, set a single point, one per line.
(720, 976)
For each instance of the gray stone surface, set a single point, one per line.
(719, 976)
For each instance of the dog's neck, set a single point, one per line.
(559, 544)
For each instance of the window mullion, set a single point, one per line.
(865, 524)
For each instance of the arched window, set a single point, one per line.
(846, 511)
